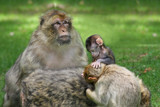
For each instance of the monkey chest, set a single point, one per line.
(60, 60)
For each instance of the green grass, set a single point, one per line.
(127, 27)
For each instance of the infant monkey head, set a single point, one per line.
(99, 52)
(91, 74)
(94, 44)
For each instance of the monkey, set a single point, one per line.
(115, 86)
(145, 95)
(54, 45)
(42, 89)
(100, 53)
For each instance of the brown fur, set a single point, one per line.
(44, 52)
(42, 88)
(145, 95)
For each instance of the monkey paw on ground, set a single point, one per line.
(96, 64)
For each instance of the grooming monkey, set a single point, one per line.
(100, 53)
(54, 45)
(115, 86)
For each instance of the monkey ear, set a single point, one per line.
(41, 21)
(99, 41)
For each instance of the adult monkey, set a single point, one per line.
(55, 45)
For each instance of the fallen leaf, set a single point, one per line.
(147, 70)
(142, 55)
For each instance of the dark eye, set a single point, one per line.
(57, 23)
(65, 22)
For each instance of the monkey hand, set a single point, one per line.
(96, 64)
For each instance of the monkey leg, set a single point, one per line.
(11, 100)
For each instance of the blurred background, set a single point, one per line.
(131, 28)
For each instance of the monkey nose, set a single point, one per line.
(63, 30)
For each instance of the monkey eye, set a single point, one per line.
(65, 22)
(57, 23)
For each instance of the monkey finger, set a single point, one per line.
(92, 64)
(99, 65)
(96, 66)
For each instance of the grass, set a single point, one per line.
(129, 28)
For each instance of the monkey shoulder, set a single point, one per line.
(109, 53)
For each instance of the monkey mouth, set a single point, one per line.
(64, 39)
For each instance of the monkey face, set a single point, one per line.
(57, 26)
(95, 50)
(93, 45)
(91, 74)
(62, 28)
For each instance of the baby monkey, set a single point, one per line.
(100, 52)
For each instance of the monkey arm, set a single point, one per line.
(106, 60)
(109, 56)
(92, 96)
